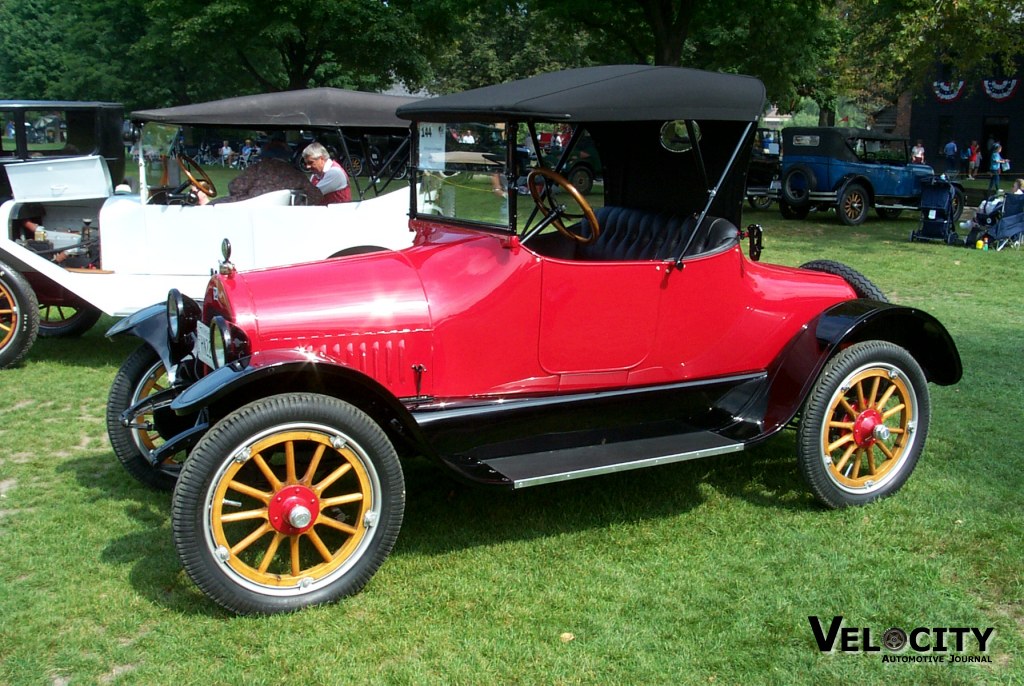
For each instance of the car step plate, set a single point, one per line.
(534, 469)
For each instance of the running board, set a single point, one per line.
(534, 469)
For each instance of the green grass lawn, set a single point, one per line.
(703, 572)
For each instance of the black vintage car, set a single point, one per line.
(763, 180)
(50, 129)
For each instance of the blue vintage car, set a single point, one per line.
(852, 170)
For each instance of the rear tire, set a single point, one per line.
(760, 202)
(19, 317)
(797, 183)
(66, 321)
(860, 284)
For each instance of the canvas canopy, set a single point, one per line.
(607, 93)
(311, 108)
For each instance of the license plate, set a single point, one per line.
(776, 185)
(202, 349)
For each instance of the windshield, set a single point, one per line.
(461, 170)
(156, 147)
(874, 150)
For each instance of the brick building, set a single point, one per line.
(965, 110)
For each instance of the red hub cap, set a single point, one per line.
(293, 510)
(864, 427)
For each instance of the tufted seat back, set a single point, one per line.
(631, 234)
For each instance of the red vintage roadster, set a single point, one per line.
(530, 335)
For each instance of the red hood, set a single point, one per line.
(310, 304)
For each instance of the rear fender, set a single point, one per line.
(794, 371)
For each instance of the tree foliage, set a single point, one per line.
(163, 52)
(904, 42)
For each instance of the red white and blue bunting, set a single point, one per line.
(948, 91)
(1000, 89)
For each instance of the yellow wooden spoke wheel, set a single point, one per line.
(290, 501)
(864, 424)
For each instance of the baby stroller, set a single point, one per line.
(985, 219)
(936, 206)
(1009, 230)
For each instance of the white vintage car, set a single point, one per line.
(106, 249)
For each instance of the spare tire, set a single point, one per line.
(797, 183)
(860, 284)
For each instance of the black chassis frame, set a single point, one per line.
(505, 442)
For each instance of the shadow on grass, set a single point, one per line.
(764, 477)
(443, 516)
(148, 548)
(91, 349)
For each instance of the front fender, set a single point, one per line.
(921, 334)
(149, 324)
(283, 371)
(794, 371)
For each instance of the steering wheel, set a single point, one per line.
(204, 182)
(548, 206)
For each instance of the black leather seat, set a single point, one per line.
(632, 234)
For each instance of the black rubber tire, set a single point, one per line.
(133, 382)
(888, 213)
(853, 204)
(582, 178)
(19, 317)
(821, 440)
(358, 250)
(959, 201)
(790, 212)
(233, 452)
(82, 318)
(860, 284)
(760, 202)
(355, 166)
(797, 183)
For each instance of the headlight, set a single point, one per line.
(227, 342)
(182, 315)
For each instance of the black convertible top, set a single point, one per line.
(607, 93)
(314, 107)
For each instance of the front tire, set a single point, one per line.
(141, 375)
(888, 213)
(19, 317)
(290, 501)
(760, 202)
(863, 425)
